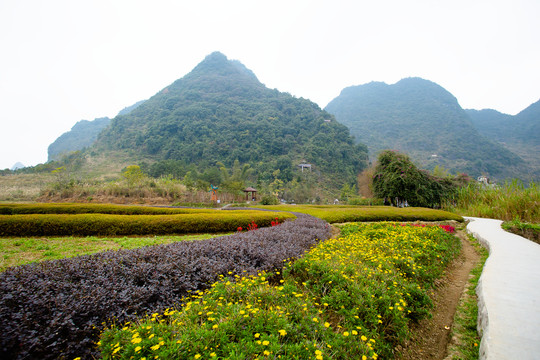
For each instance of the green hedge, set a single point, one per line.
(77, 208)
(107, 224)
(341, 213)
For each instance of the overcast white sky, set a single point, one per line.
(62, 61)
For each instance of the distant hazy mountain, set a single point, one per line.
(81, 135)
(519, 133)
(129, 109)
(424, 120)
(220, 112)
(18, 165)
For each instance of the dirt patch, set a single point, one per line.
(430, 337)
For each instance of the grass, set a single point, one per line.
(529, 231)
(347, 213)
(348, 298)
(510, 201)
(19, 251)
(465, 320)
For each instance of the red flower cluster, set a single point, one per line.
(252, 226)
(447, 228)
(275, 223)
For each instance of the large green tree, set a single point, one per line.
(398, 180)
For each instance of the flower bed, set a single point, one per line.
(348, 298)
(55, 308)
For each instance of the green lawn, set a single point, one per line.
(19, 251)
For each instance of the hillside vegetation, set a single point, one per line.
(81, 135)
(424, 120)
(220, 113)
(519, 133)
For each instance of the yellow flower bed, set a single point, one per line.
(348, 298)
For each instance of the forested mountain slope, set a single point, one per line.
(519, 133)
(220, 112)
(422, 119)
(81, 135)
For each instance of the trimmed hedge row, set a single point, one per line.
(76, 208)
(341, 214)
(55, 309)
(103, 224)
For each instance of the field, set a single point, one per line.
(19, 251)
(389, 268)
(348, 298)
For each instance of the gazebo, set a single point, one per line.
(253, 193)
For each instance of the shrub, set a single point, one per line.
(55, 309)
(104, 224)
(341, 214)
(75, 208)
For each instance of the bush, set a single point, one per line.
(104, 224)
(55, 309)
(344, 213)
(75, 208)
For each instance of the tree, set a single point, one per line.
(133, 175)
(397, 179)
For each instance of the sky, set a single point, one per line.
(62, 61)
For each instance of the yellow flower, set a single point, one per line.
(346, 333)
(213, 354)
(327, 324)
(354, 332)
(363, 338)
(155, 347)
(197, 356)
(136, 340)
(257, 335)
(116, 350)
(266, 352)
(265, 342)
(138, 348)
(282, 332)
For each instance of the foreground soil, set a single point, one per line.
(431, 337)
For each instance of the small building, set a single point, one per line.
(253, 194)
(307, 166)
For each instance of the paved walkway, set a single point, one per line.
(508, 293)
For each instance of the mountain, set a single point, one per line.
(422, 119)
(220, 113)
(519, 133)
(17, 165)
(81, 135)
(129, 109)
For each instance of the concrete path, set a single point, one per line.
(508, 293)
